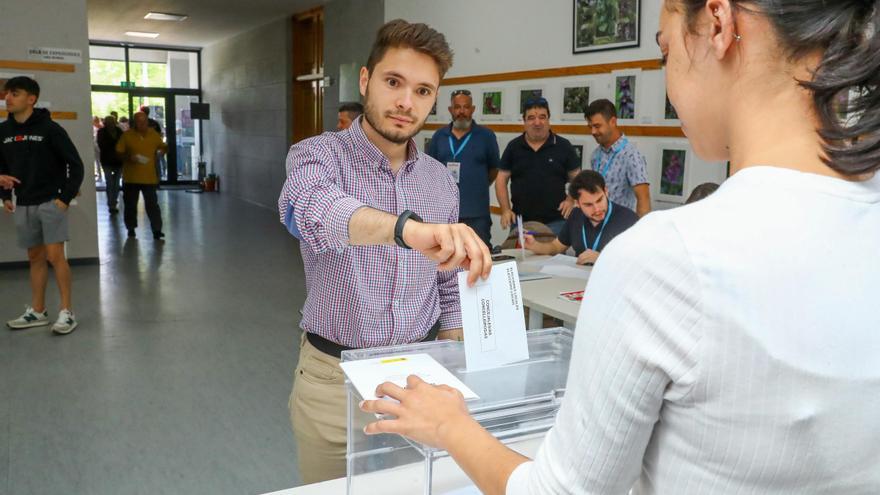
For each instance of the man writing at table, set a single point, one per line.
(376, 273)
(591, 225)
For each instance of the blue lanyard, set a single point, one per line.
(598, 237)
(460, 148)
(617, 149)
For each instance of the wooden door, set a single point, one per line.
(308, 74)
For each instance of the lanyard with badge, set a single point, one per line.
(454, 166)
(602, 229)
(617, 149)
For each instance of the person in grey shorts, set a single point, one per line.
(44, 169)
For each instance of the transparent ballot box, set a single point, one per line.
(517, 404)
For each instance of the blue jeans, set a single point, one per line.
(482, 226)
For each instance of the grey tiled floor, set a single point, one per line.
(176, 381)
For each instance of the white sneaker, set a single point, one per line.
(29, 319)
(65, 323)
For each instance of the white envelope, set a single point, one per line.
(367, 374)
(492, 318)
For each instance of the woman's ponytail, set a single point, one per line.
(846, 91)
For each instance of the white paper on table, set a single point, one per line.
(522, 237)
(526, 276)
(565, 266)
(492, 319)
(367, 374)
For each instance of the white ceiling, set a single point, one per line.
(209, 20)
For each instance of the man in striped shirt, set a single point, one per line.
(376, 219)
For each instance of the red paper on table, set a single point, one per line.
(575, 295)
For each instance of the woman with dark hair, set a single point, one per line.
(731, 346)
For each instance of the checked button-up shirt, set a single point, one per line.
(367, 296)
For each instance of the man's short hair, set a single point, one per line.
(352, 107)
(23, 83)
(417, 36)
(701, 192)
(535, 103)
(603, 107)
(587, 180)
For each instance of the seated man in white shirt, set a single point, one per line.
(591, 225)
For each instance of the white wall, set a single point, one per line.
(246, 80)
(490, 36)
(507, 35)
(56, 24)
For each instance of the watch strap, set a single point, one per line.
(398, 227)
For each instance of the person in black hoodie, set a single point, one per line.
(38, 153)
(107, 138)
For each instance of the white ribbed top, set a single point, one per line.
(729, 346)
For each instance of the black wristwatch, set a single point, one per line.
(398, 227)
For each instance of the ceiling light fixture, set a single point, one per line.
(165, 16)
(141, 34)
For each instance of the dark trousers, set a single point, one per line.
(130, 196)
(482, 226)
(112, 176)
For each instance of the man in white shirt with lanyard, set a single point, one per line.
(617, 159)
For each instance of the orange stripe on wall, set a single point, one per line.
(630, 130)
(43, 66)
(580, 70)
(55, 115)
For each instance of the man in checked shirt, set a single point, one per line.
(376, 220)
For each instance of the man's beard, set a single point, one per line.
(462, 124)
(374, 117)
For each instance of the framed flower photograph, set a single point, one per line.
(670, 116)
(579, 151)
(529, 93)
(673, 173)
(575, 99)
(625, 96)
(492, 104)
(605, 25)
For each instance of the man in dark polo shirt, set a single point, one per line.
(537, 164)
(591, 225)
(470, 153)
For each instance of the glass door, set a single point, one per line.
(162, 81)
(156, 109)
(186, 131)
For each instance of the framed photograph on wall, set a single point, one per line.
(625, 92)
(527, 93)
(605, 25)
(575, 99)
(583, 148)
(674, 184)
(669, 115)
(579, 151)
(491, 103)
(432, 115)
